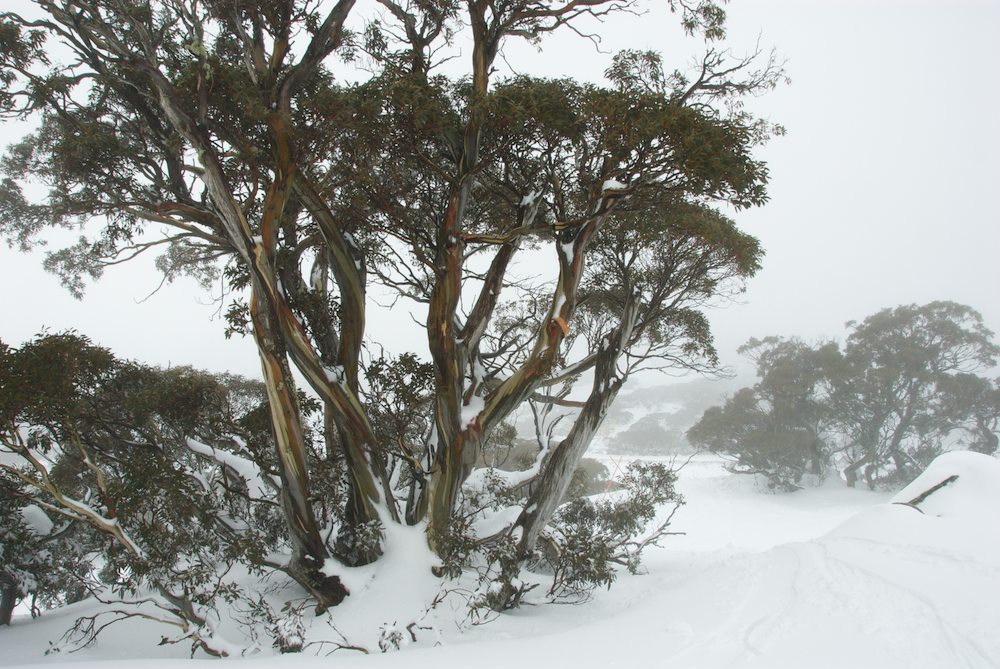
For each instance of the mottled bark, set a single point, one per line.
(277, 333)
(308, 548)
(454, 445)
(336, 380)
(571, 251)
(550, 489)
(458, 445)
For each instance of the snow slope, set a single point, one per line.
(829, 577)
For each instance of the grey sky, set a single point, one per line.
(883, 192)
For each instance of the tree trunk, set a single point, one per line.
(851, 470)
(275, 329)
(817, 464)
(548, 494)
(989, 443)
(364, 457)
(449, 367)
(355, 546)
(8, 598)
(899, 459)
(308, 548)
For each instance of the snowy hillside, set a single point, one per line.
(827, 577)
(652, 420)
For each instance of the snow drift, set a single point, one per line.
(897, 584)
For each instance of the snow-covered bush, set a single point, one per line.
(589, 540)
(148, 472)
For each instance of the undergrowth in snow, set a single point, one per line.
(825, 577)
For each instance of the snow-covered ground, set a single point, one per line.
(826, 577)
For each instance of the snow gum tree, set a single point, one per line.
(222, 126)
(902, 388)
(902, 368)
(777, 428)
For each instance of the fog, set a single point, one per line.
(882, 192)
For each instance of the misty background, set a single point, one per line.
(882, 193)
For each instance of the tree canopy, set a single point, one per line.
(903, 387)
(157, 461)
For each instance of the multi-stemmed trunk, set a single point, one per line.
(460, 436)
(309, 551)
(458, 444)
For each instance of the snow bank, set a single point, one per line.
(975, 490)
(959, 518)
(891, 587)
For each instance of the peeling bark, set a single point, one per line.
(309, 550)
(550, 489)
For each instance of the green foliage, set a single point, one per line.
(745, 431)
(589, 540)
(111, 438)
(902, 364)
(20, 48)
(590, 478)
(584, 548)
(972, 404)
(399, 395)
(775, 429)
(218, 134)
(43, 559)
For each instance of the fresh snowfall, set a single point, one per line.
(823, 577)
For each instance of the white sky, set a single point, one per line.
(883, 192)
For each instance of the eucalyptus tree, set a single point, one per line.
(904, 373)
(639, 310)
(780, 427)
(222, 124)
(972, 405)
(567, 165)
(902, 388)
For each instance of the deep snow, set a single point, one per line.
(826, 577)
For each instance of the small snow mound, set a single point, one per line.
(950, 508)
(974, 490)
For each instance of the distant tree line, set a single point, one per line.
(905, 386)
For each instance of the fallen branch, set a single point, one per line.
(930, 491)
